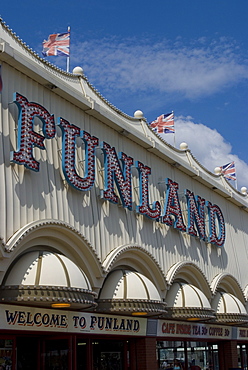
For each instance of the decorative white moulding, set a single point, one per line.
(78, 71)
(217, 171)
(138, 114)
(184, 146)
(244, 190)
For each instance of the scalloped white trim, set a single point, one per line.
(16, 239)
(222, 276)
(112, 257)
(172, 272)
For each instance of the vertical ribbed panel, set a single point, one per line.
(28, 196)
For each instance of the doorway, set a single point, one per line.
(27, 353)
(108, 355)
(55, 354)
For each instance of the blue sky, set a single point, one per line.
(158, 56)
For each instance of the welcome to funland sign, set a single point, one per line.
(32, 318)
(117, 170)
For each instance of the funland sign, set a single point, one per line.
(117, 170)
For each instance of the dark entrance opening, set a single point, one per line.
(27, 353)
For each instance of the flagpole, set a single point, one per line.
(68, 58)
(174, 131)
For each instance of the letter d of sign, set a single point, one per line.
(214, 213)
(27, 137)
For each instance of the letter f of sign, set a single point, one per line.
(27, 137)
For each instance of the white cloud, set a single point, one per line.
(193, 71)
(208, 147)
(203, 67)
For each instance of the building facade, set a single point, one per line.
(118, 251)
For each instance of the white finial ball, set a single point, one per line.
(217, 170)
(138, 114)
(78, 71)
(183, 146)
(244, 190)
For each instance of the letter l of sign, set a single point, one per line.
(144, 207)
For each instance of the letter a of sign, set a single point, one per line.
(172, 207)
(196, 215)
(27, 137)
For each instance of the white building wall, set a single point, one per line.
(28, 196)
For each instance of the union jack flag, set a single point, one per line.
(57, 44)
(228, 170)
(164, 124)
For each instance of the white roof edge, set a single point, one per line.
(15, 52)
(17, 48)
